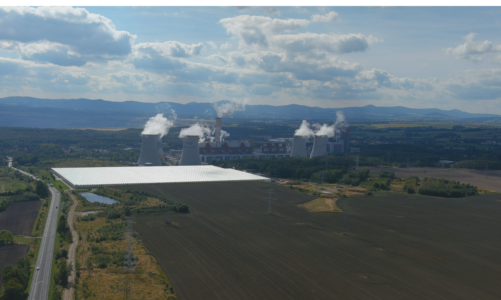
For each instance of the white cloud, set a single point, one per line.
(253, 30)
(474, 50)
(225, 46)
(212, 44)
(329, 17)
(47, 35)
(170, 48)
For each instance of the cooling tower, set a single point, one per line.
(219, 126)
(149, 150)
(190, 156)
(319, 146)
(299, 146)
(161, 154)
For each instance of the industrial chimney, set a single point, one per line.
(319, 146)
(149, 150)
(219, 126)
(190, 156)
(299, 146)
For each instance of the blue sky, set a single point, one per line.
(444, 57)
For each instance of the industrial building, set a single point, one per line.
(149, 150)
(85, 178)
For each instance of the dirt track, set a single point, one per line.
(68, 293)
(397, 246)
(490, 180)
(19, 217)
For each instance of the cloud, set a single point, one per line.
(212, 44)
(473, 50)
(319, 44)
(475, 85)
(329, 17)
(253, 30)
(170, 48)
(63, 29)
(267, 9)
(225, 46)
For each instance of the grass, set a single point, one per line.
(11, 185)
(148, 280)
(321, 205)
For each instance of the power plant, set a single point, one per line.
(161, 153)
(149, 150)
(191, 155)
(319, 146)
(299, 146)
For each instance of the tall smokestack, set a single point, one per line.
(219, 126)
(190, 156)
(319, 146)
(149, 150)
(299, 146)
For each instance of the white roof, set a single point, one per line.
(146, 175)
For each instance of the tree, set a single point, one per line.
(14, 290)
(6, 238)
(41, 189)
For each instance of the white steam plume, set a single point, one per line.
(330, 131)
(304, 130)
(222, 135)
(229, 108)
(159, 124)
(197, 129)
(340, 119)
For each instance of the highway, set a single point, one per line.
(39, 289)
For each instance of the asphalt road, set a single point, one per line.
(39, 289)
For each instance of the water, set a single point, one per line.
(97, 198)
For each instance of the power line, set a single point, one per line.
(270, 191)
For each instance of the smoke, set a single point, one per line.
(160, 124)
(340, 119)
(304, 130)
(330, 131)
(222, 135)
(229, 108)
(197, 129)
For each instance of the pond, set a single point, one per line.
(97, 198)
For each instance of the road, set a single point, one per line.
(39, 289)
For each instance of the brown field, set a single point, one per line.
(489, 180)
(386, 246)
(19, 217)
(9, 256)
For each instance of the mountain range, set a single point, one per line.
(85, 113)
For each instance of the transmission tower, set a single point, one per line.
(270, 191)
(130, 261)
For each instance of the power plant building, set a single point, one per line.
(299, 146)
(241, 149)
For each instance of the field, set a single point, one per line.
(386, 246)
(10, 254)
(11, 185)
(489, 180)
(19, 217)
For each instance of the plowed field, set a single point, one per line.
(9, 256)
(19, 217)
(395, 246)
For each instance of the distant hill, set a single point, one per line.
(85, 113)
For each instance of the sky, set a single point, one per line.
(419, 57)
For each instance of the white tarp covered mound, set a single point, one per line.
(93, 177)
